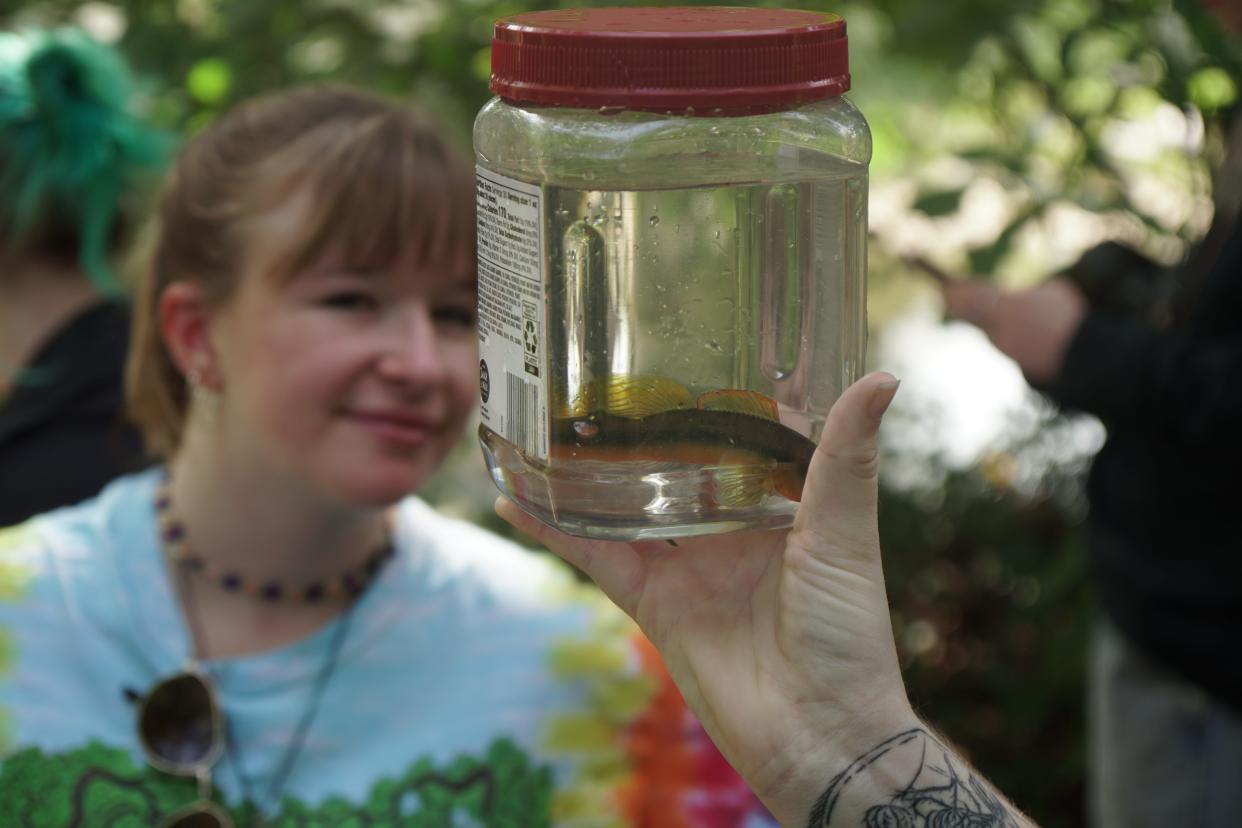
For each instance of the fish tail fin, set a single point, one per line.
(787, 482)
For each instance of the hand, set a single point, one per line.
(1032, 327)
(780, 641)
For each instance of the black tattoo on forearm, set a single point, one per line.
(941, 791)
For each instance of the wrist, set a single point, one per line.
(793, 783)
(906, 775)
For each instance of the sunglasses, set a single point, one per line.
(181, 730)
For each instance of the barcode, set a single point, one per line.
(522, 412)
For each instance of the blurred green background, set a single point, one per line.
(1009, 137)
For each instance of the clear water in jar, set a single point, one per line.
(696, 339)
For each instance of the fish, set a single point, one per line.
(736, 430)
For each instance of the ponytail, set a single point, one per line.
(70, 150)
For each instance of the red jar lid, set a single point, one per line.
(670, 59)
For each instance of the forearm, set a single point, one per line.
(909, 777)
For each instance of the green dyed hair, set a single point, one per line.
(70, 149)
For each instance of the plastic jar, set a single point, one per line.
(672, 223)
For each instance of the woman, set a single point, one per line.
(286, 638)
(304, 356)
(72, 155)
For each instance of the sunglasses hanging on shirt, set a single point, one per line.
(181, 731)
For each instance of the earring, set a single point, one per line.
(201, 396)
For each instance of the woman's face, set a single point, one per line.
(355, 384)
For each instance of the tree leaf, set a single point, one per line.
(939, 202)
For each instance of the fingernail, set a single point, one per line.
(881, 398)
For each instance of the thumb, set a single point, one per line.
(839, 499)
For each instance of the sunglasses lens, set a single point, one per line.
(179, 725)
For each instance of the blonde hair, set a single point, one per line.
(382, 180)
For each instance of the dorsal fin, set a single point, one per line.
(638, 396)
(739, 401)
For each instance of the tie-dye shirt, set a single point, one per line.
(477, 684)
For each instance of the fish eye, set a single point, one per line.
(586, 429)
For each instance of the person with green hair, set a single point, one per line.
(73, 159)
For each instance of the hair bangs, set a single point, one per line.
(385, 188)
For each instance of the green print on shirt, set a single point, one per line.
(97, 786)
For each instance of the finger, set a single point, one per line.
(614, 567)
(838, 509)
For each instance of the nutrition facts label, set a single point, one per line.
(512, 387)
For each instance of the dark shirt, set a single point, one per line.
(61, 434)
(1165, 493)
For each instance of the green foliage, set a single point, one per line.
(985, 82)
(209, 81)
(991, 610)
(935, 203)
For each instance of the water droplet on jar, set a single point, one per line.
(654, 220)
(714, 346)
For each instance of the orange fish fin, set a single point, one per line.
(739, 401)
(788, 483)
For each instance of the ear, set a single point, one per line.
(185, 319)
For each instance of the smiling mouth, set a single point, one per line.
(395, 428)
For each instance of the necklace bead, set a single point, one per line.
(348, 584)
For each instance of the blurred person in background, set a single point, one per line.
(269, 630)
(1165, 704)
(72, 157)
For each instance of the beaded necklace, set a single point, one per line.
(183, 567)
(349, 584)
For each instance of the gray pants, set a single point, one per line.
(1162, 752)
